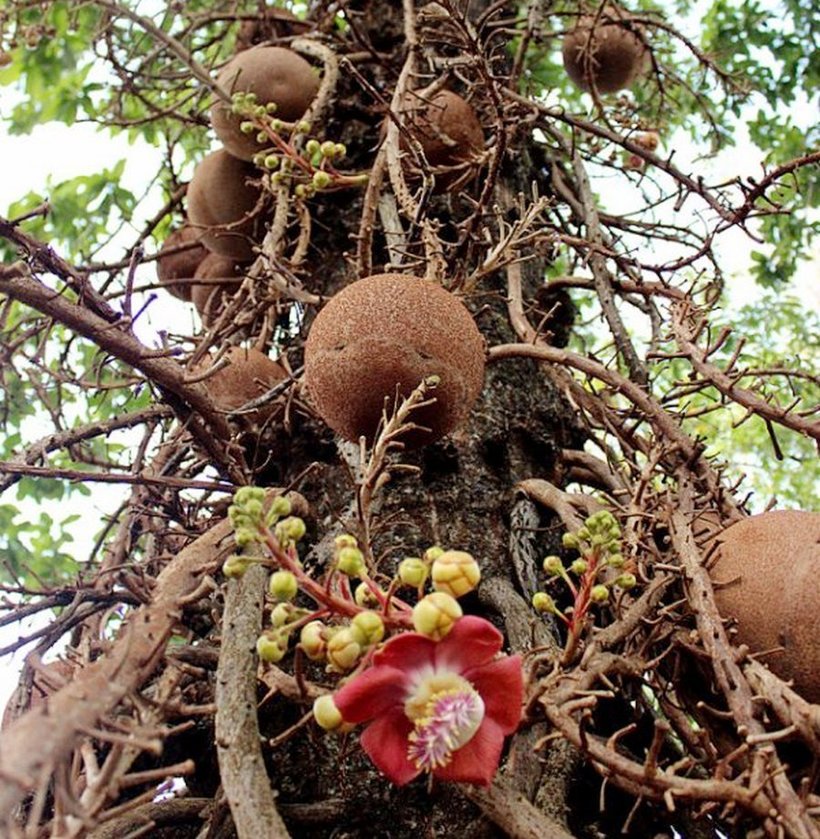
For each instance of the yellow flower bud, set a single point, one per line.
(413, 572)
(343, 650)
(325, 712)
(312, 640)
(281, 614)
(432, 554)
(364, 597)
(456, 573)
(599, 594)
(368, 626)
(436, 614)
(345, 540)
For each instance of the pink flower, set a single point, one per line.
(442, 707)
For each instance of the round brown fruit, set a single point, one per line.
(384, 334)
(767, 577)
(274, 74)
(224, 205)
(276, 23)
(182, 264)
(224, 276)
(447, 128)
(606, 53)
(249, 374)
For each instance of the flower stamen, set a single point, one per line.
(451, 719)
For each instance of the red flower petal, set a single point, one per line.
(477, 761)
(408, 651)
(371, 693)
(472, 642)
(501, 685)
(385, 741)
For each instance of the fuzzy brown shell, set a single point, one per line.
(223, 276)
(385, 334)
(767, 577)
(181, 265)
(609, 53)
(249, 374)
(447, 127)
(276, 23)
(224, 205)
(274, 74)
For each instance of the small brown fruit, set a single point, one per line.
(224, 276)
(607, 52)
(225, 206)
(386, 333)
(276, 23)
(249, 374)
(274, 74)
(767, 577)
(181, 264)
(447, 128)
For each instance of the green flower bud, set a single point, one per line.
(626, 581)
(351, 562)
(281, 614)
(247, 127)
(368, 626)
(570, 540)
(261, 137)
(277, 125)
(579, 566)
(312, 640)
(283, 585)
(328, 148)
(321, 179)
(250, 98)
(343, 650)
(339, 150)
(271, 161)
(599, 594)
(280, 506)
(300, 191)
(260, 111)
(235, 566)
(289, 530)
(345, 540)
(543, 603)
(259, 159)
(432, 554)
(584, 534)
(245, 536)
(302, 127)
(413, 572)
(245, 494)
(326, 714)
(312, 146)
(456, 573)
(271, 646)
(553, 565)
(270, 108)
(615, 560)
(436, 614)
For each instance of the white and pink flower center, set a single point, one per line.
(446, 711)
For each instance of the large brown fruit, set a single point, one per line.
(767, 577)
(181, 265)
(225, 206)
(249, 374)
(387, 333)
(447, 128)
(605, 52)
(274, 74)
(224, 276)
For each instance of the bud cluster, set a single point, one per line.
(589, 578)
(312, 168)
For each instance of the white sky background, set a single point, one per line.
(58, 152)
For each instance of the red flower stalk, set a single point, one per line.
(442, 707)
